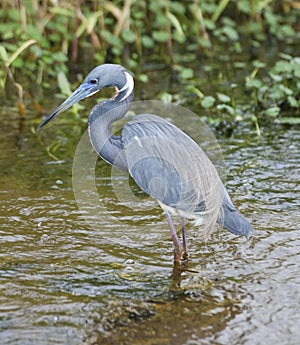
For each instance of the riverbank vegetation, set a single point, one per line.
(46, 42)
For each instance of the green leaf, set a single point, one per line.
(203, 42)
(276, 93)
(208, 101)
(187, 73)
(244, 6)
(177, 7)
(18, 62)
(276, 77)
(283, 67)
(285, 56)
(290, 120)
(143, 78)
(59, 57)
(111, 39)
(273, 112)
(147, 41)
(230, 110)
(209, 24)
(296, 60)
(128, 36)
(3, 53)
(258, 64)
(223, 98)
(293, 102)
(253, 84)
(231, 33)
(287, 31)
(297, 71)
(160, 36)
(166, 97)
(240, 64)
(286, 90)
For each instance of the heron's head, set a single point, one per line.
(106, 75)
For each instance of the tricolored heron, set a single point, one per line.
(165, 162)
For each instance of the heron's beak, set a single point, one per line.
(83, 91)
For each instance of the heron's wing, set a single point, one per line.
(168, 165)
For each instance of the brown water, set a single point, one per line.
(62, 282)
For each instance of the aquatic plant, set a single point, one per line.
(41, 40)
(279, 91)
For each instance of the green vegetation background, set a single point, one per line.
(43, 41)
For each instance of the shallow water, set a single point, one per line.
(63, 282)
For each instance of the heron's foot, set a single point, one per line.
(185, 256)
(180, 259)
(176, 265)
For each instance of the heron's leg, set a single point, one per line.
(177, 250)
(184, 242)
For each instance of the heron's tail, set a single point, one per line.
(233, 220)
(236, 223)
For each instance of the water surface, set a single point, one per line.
(63, 282)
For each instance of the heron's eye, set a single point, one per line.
(93, 81)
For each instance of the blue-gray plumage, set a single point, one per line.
(164, 161)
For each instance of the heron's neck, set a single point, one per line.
(107, 145)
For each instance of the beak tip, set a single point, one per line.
(46, 120)
(38, 128)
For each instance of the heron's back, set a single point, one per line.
(170, 166)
